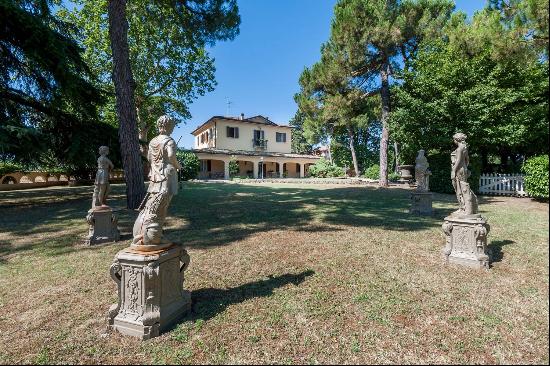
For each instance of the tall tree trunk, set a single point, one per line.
(396, 151)
(352, 148)
(385, 94)
(125, 106)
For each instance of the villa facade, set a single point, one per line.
(261, 147)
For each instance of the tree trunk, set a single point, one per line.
(352, 148)
(125, 106)
(385, 94)
(396, 150)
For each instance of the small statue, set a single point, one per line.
(422, 173)
(163, 186)
(460, 160)
(101, 189)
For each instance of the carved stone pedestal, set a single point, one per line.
(421, 203)
(150, 291)
(466, 241)
(103, 225)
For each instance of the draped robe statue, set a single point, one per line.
(460, 160)
(163, 186)
(422, 173)
(101, 189)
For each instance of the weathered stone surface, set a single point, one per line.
(103, 226)
(466, 241)
(101, 184)
(163, 185)
(421, 203)
(151, 297)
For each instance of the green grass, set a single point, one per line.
(280, 274)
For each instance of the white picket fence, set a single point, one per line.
(502, 184)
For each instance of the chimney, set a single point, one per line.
(242, 116)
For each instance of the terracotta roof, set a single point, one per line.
(252, 153)
(261, 120)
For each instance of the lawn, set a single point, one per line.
(280, 274)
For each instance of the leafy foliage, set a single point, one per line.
(440, 166)
(536, 178)
(7, 167)
(190, 164)
(48, 103)
(372, 172)
(299, 144)
(324, 169)
(233, 167)
(167, 45)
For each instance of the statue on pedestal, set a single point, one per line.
(163, 185)
(103, 223)
(150, 273)
(460, 160)
(465, 229)
(422, 197)
(104, 167)
(422, 172)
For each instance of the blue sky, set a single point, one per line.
(258, 72)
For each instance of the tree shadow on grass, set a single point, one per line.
(209, 215)
(209, 302)
(495, 249)
(220, 214)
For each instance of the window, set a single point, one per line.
(233, 132)
(280, 137)
(258, 135)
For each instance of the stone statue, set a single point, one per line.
(465, 229)
(460, 160)
(422, 173)
(150, 273)
(163, 185)
(101, 189)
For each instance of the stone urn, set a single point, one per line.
(406, 172)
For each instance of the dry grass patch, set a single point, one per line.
(280, 274)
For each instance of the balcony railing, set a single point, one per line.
(259, 144)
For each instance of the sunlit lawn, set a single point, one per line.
(280, 274)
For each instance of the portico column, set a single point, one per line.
(255, 168)
(226, 169)
(302, 168)
(281, 166)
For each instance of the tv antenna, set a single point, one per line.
(228, 109)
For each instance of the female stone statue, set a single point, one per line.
(163, 185)
(101, 189)
(422, 173)
(460, 160)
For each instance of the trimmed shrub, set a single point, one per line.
(233, 168)
(9, 167)
(373, 172)
(393, 177)
(324, 169)
(190, 164)
(536, 176)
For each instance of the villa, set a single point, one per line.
(261, 147)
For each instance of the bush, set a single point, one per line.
(190, 164)
(536, 176)
(373, 172)
(440, 166)
(393, 177)
(9, 167)
(233, 168)
(324, 169)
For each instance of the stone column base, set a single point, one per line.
(151, 297)
(466, 241)
(421, 203)
(103, 225)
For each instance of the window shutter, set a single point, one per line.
(236, 132)
(284, 137)
(228, 131)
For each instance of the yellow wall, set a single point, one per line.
(246, 135)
